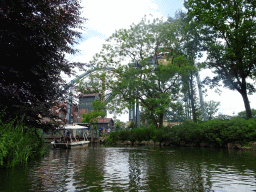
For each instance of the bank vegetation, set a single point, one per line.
(212, 133)
(19, 143)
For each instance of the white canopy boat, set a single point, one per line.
(74, 137)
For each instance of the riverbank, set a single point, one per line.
(236, 133)
(251, 145)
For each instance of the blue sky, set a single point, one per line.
(104, 17)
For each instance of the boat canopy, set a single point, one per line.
(68, 126)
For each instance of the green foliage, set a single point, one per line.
(18, 143)
(242, 114)
(211, 108)
(112, 137)
(146, 80)
(229, 40)
(38, 34)
(132, 125)
(189, 49)
(177, 114)
(217, 133)
(123, 134)
(118, 124)
(98, 111)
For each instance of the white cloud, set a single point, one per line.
(88, 49)
(107, 16)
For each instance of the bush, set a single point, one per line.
(139, 134)
(112, 137)
(158, 135)
(123, 135)
(216, 133)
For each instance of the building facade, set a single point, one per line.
(86, 107)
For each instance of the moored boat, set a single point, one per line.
(75, 137)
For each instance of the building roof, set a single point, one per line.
(106, 120)
(89, 94)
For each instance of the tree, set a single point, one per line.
(152, 78)
(211, 108)
(228, 28)
(98, 111)
(92, 117)
(242, 114)
(177, 114)
(34, 38)
(188, 44)
(118, 124)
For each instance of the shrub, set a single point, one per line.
(123, 135)
(139, 134)
(212, 133)
(112, 137)
(158, 135)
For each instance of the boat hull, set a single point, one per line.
(75, 144)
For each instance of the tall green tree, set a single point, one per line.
(153, 75)
(211, 108)
(93, 116)
(188, 44)
(98, 111)
(35, 35)
(228, 28)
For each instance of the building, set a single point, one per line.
(85, 103)
(86, 107)
(106, 123)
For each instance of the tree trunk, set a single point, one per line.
(161, 119)
(246, 102)
(201, 96)
(155, 121)
(191, 97)
(243, 92)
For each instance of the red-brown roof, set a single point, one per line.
(106, 120)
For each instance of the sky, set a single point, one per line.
(105, 17)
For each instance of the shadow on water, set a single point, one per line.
(108, 168)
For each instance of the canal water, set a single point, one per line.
(107, 168)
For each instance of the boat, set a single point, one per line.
(74, 137)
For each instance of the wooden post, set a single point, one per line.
(91, 133)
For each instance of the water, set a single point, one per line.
(101, 168)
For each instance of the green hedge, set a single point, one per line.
(217, 133)
(18, 143)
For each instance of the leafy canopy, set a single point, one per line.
(228, 29)
(34, 38)
(93, 116)
(151, 79)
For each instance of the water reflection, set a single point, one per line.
(100, 168)
(58, 170)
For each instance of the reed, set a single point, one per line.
(19, 143)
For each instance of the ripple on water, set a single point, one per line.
(136, 169)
